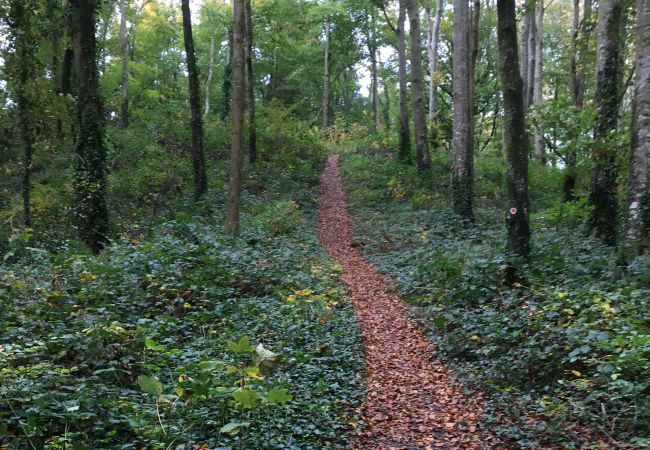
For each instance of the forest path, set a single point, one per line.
(412, 402)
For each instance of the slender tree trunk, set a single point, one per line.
(66, 71)
(473, 57)
(250, 85)
(404, 128)
(532, 52)
(602, 189)
(515, 140)
(386, 105)
(326, 76)
(525, 35)
(198, 160)
(208, 78)
(372, 51)
(434, 37)
(231, 226)
(537, 96)
(24, 60)
(638, 211)
(226, 88)
(462, 141)
(124, 84)
(90, 164)
(417, 89)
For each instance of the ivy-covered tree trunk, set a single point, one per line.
(515, 140)
(602, 189)
(231, 226)
(417, 89)
(91, 212)
(22, 63)
(250, 85)
(638, 210)
(326, 76)
(404, 129)
(462, 141)
(198, 160)
(124, 82)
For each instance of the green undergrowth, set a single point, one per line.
(185, 339)
(564, 356)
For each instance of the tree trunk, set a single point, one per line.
(532, 52)
(208, 78)
(514, 138)
(372, 50)
(326, 76)
(417, 89)
(23, 58)
(386, 105)
(124, 84)
(462, 141)
(231, 226)
(525, 35)
(250, 85)
(91, 213)
(638, 213)
(602, 189)
(198, 160)
(226, 88)
(537, 96)
(434, 37)
(404, 129)
(473, 56)
(66, 71)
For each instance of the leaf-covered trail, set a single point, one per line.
(412, 402)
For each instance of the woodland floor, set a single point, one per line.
(412, 402)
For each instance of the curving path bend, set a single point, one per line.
(412, 403)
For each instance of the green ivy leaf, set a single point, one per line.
(233, 428)
(279, 396)
(151, 345)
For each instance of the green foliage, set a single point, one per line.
(566, 348)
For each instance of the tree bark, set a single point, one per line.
(250, 85)
(231, 226)
(537, 89)
(417, 89)
(514, 138)
(124, 84)
(226, 88)
(638, 212)
(91, 212)
(386, 105)
(326, 76)
(462, 142)
(198, 160)
(532, 52)
(208, 78)
(434, 37)
(404, 128)
(66, 71)
(525, 35)
(473, 57)
(602, 189)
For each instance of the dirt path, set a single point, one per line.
(411, 402)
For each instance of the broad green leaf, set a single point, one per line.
(151, 345)
(150, 385)
(276, 396)
(247, 398)
(243, 346)
(233, 427)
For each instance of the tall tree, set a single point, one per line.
(250, 85)
(638, 211)
(529, 39)
(22, 70)
(537, 77)
(602, 189)
(124, 83)
(404, 128)
(198, 160)
(208, 77)
(576, 85)
(434, 38)
(326, 75)
(91, 212)
(417, 89)
(515, 140)
(371, 42)
(226, 87)
(231, 225)
(462, 141)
